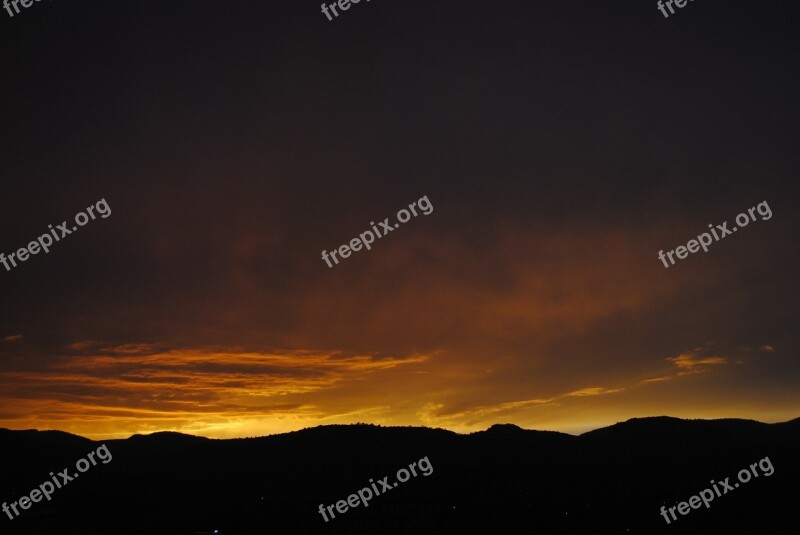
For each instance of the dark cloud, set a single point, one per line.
(561, 146)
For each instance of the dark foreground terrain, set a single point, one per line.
(504, 480)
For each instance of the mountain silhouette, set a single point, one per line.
(503, 480)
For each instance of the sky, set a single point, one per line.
(561, 146)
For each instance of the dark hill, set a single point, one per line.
(502, 480)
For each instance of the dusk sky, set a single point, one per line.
(562, 145)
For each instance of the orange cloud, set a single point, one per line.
(129, 349)
(188, 390)
(594, 391)
(656, 380)
(693, 364)
(82, 346)
(436, 414)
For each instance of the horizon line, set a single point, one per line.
(663, 416)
